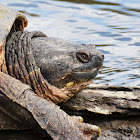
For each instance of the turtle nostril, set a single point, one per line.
(102, 57)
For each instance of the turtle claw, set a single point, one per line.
(78, 118)
(87, 130)
(96, 129)
(91, 129)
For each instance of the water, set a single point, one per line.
(112, 25)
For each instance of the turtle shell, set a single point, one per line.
(9, 19)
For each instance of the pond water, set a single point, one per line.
(112, 25)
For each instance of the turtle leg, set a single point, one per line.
(58, 124)
(13, 116)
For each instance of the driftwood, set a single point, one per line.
(115, 109)
(105, 99)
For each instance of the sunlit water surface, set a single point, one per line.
(112, 25)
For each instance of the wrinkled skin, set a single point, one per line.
(49, 116)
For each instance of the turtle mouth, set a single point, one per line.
(76, 77)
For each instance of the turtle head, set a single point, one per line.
(64, 63)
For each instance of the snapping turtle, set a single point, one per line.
(33, 65)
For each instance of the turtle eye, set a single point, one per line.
(83, 57)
